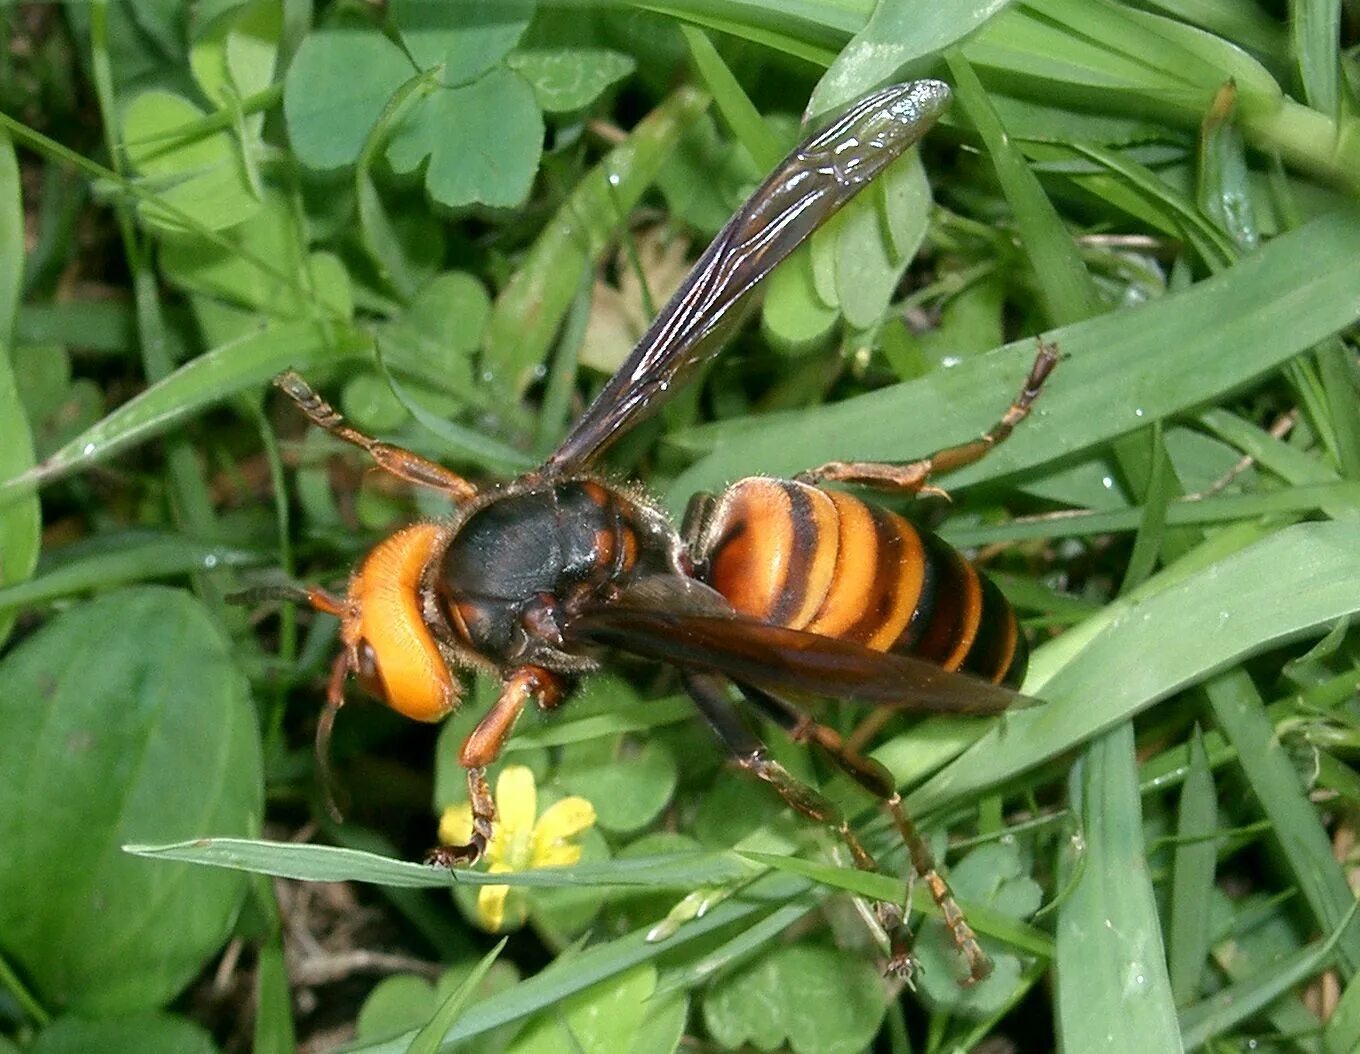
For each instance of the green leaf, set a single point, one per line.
(793, 315)
(569, 79)
(466, 38)
(993, 875)
(395, 1004)
(816, 1000)
(578, 972)
(531, 306)
(628, 783)
(1123, 370)
(20, 520)
(202, 175)
(878, 237)
(895, 41)
(98, 753)
(1067, 290)
(316, 285)
(406, 1001)
(319, 863)
(1192, 879)
(1108, 928)
(482, 139)
(1202, 623)
(235, 56)
(759, 141)
(427, 1040)
(1315, 26)
(435, 336)
(879, 886)
(606, 1019)
(337, 84)
(216, 375)
(135, 1034)
(115, 560)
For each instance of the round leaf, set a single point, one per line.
(235, 56)
(337, 85)
(816, 1000)
(145, 1034)
(466, 38)
(795, 318)
(605, 1019)
(126, 720)
(995, 876)
(629, 783)
(202, 175)
(569, 79)
(483, 141)
(871, 256)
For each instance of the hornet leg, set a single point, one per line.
(481, 748)
(751, 754)
(394, 459)
(876, 779)
(913, 477)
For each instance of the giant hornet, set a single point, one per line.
(781, 588)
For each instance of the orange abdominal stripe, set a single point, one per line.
(385, 613)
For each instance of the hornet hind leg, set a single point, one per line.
(876, 779)
(751, 754)
(913, 477)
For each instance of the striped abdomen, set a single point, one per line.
(826, 562)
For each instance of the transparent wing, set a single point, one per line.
(674, 620)
(816, 179)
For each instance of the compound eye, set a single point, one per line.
(367, 674)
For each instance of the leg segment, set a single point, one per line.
(912, 477)
(481, 748)
(876, 779)
(750, 753)
(335, 699)
(401, 463)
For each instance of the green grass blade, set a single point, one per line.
(1316, 28)
(1067, 291)
(1125, 369)
(1202, 624)
(1147, 544)
(1192, 877)
(733, 102)
(889, 887)
(1241, 1001)
(1304, 843)
(1113, 991)
(21, 521)
(427, 1040)
(806, 29)
(244, 363)
(528, 312)
(1336, 366)
(321, 863)
(137, 557)
(607, 960)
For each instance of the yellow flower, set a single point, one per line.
(518, 842)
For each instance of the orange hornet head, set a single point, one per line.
(388, 645)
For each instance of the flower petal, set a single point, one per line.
(516, 802)
(561, 854)
(455, 826)
(491, 906)
(560, 821)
